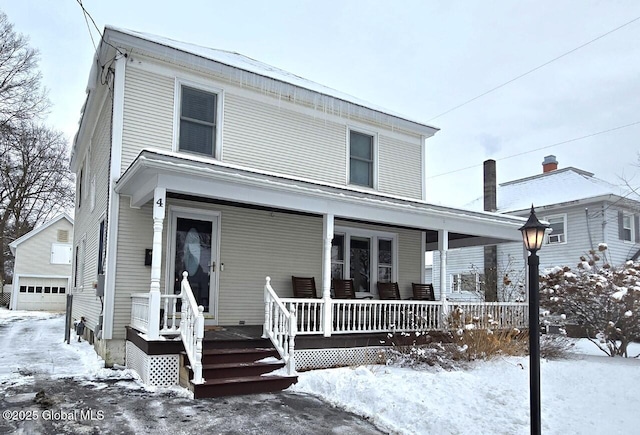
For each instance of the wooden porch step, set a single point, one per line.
(211, 343)
(237, 355)
(237, 370)
(242, 385)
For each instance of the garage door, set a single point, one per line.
(42, 294)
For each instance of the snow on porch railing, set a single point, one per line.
(280, 325)
(140, 312)
(192, 328)
(494, 314)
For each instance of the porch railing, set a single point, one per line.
(140, 312)
(169, 319)
(192, 328)
(371, 316)
(189, 323)
(491, 314)
(280, 326)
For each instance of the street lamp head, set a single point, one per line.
(533, 232)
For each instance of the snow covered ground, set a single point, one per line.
(586, 395)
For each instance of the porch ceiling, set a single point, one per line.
(191, 175)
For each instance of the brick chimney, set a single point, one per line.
(491, 251)
(549, 164)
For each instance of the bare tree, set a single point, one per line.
(21, 96)
(35, 181)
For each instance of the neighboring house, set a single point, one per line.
(205, 161)
(42, 266)
(583, 212)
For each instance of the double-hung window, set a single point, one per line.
(558, 232)
(198, 114)
(626, 229)
(361, 159)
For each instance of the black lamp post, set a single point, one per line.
(533, 236)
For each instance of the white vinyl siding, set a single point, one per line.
(265, 133)
(87, 220)
(400, 166)
(148, 113)
(33, 256)
(272, 138)
(135, 234)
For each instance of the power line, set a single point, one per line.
(533, 70)
(540, 148)
(87, 14)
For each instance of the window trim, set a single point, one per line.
(548, 235)
(374, 162)
(632, 230)
(375, 236)
(177, 112)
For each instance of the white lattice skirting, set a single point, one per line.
(155, 370)
(307, 359)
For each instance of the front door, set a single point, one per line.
(195, 251)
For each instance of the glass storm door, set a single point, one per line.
(195, 252)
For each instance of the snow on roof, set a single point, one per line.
(240, 61)
(555, 187)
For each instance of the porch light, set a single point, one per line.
(533, 235)
(533, 232)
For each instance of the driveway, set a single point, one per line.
(49, 387)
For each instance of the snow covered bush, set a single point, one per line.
(422, 349)
(604, 299)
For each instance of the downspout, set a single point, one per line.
(586, 215)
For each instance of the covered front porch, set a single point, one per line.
(313, 229)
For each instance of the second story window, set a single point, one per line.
(197, 121)
(361, 153)
(558, 229)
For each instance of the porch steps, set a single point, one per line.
(233, 367)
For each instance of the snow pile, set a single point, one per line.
(588, 395)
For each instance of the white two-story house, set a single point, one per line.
(582, 210)
(190, 159)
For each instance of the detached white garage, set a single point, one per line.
(42, 269)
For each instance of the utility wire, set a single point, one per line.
(541, 148)
(86, 20)
(87, 14)
(533, 70)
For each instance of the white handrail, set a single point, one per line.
(192, 328)
(280, 325)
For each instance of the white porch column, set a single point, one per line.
(159, 199)
(443, 246)
(327, 238)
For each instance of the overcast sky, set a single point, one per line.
(418, 58)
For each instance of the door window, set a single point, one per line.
(193, 254)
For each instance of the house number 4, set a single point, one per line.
(159, 202)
